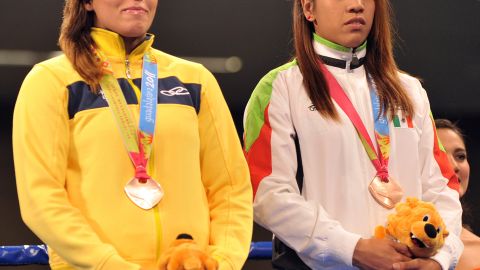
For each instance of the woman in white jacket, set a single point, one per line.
(321, 119)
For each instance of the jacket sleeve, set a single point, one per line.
(225, 177)
(439, 184)
(40, 148)
(303, 225)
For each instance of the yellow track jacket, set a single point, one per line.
(71, 165)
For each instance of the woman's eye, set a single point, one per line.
(461, 157)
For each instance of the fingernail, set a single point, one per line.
(396, 266)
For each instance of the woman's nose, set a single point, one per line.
(454, 164)
(356, 6)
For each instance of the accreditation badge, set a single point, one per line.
(145, 193)
(386, 193)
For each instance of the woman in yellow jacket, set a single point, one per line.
(120, 149)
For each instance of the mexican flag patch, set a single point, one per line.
(401, 121)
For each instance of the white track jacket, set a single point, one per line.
(324, 222)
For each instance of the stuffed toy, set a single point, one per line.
(185, 254)
(416, 224)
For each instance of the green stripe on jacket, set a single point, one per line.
(255, 117)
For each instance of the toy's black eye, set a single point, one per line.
(425, 218)
(439, 229)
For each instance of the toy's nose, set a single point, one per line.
(430, 230)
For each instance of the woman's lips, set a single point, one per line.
(135, 10)
(356, 21)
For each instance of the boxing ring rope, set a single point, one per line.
(23, 255)
(37, 254)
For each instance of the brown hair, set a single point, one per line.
(379, 63)
(447, 124)
(76, 42)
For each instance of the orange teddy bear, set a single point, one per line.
(185, 254)
(418, 225)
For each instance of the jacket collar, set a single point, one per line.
(330, 49)
(113, 46)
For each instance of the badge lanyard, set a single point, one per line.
(142, 189)
(384, 189)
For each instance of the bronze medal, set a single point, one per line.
(386, 193)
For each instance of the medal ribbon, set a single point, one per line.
(379, 159)
(138, 143)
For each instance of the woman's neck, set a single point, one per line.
(132, 42)
(337, 46)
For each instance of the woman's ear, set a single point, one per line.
(308, 6)
(88, 5)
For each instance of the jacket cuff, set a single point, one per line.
(223, 263)
(444, 259)
(341, 245)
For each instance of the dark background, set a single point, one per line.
(439, 42)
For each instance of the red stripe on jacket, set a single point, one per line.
(259, 157)
(443, 163)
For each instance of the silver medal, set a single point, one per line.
(145, 195)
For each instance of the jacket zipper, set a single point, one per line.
(127, 69)
(353, 60)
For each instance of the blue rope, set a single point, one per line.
(37, 254)
(23, 255)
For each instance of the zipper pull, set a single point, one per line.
(355, 61)
(127, 69)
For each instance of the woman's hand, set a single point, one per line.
(417, 264)
(380, 254)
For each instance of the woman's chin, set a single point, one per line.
(134, 31)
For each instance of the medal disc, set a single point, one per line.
(387, 194)
(145, 195)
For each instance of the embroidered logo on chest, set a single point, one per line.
(176, 91)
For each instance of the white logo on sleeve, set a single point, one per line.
(176, 91)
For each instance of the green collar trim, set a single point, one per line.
(336, 46)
